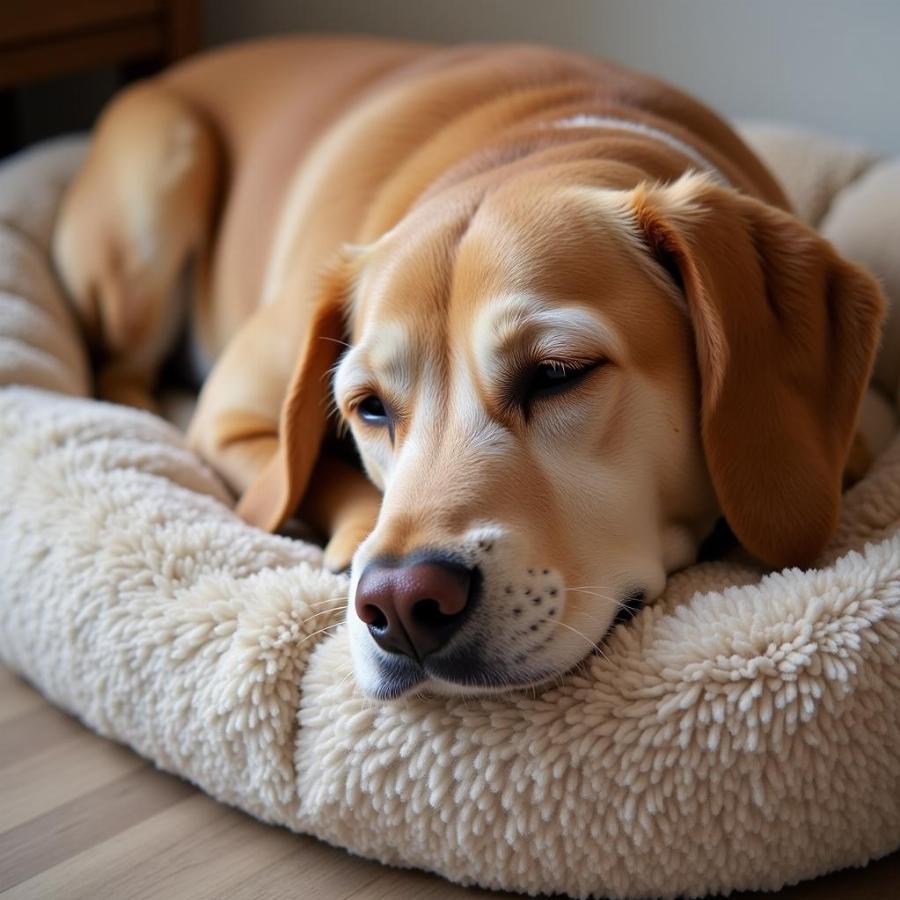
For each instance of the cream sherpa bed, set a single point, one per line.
(742, 733)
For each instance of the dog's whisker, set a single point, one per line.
(323, 609)
(328, 600)
(599, 589)
(309, 637)
(594, 644)
(315, 615)
(609, 597)
(343, 681)
(592, 593)
(336, 606)
(621, 604)
(580, 634)
(324, 337)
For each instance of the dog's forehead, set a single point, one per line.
(561, 260)
(408, 271)
(560, 243)
(568, 256)
(458, 252)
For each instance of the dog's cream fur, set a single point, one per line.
(424, 208)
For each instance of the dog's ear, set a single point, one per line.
(281, 485)
(785, 334)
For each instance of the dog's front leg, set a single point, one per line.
(236, 430)
(342, 504)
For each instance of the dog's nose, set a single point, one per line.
(413, 609)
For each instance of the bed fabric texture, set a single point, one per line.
(744, 732)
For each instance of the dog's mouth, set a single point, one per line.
(400, 675)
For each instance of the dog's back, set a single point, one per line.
(276, 151)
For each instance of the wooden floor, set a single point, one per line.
(81, 817)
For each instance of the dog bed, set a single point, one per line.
(743, 732)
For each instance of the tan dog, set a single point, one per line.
(572, 321)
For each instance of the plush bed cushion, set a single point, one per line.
(742, 732)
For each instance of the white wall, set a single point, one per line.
(830, 64)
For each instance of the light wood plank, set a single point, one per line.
(42, 726)
(321, 871)
(50, 777)
(16, 697)
(316, 869)
(404, 884)
(80, 824)
(196, 849)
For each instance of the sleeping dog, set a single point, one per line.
(561, 308)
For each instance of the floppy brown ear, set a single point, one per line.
(280, 486)
(785, 333)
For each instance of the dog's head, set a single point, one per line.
(559, 388)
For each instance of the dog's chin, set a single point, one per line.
(397, 676)
(489, 687)
(394, 677)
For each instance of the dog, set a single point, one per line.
(569, 321)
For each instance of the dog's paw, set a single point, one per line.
(126, 391)
(340, 549)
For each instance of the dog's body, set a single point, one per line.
(497, 227)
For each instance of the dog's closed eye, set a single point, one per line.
(548, 379)
(554, 377)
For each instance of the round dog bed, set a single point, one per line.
(743, 732)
